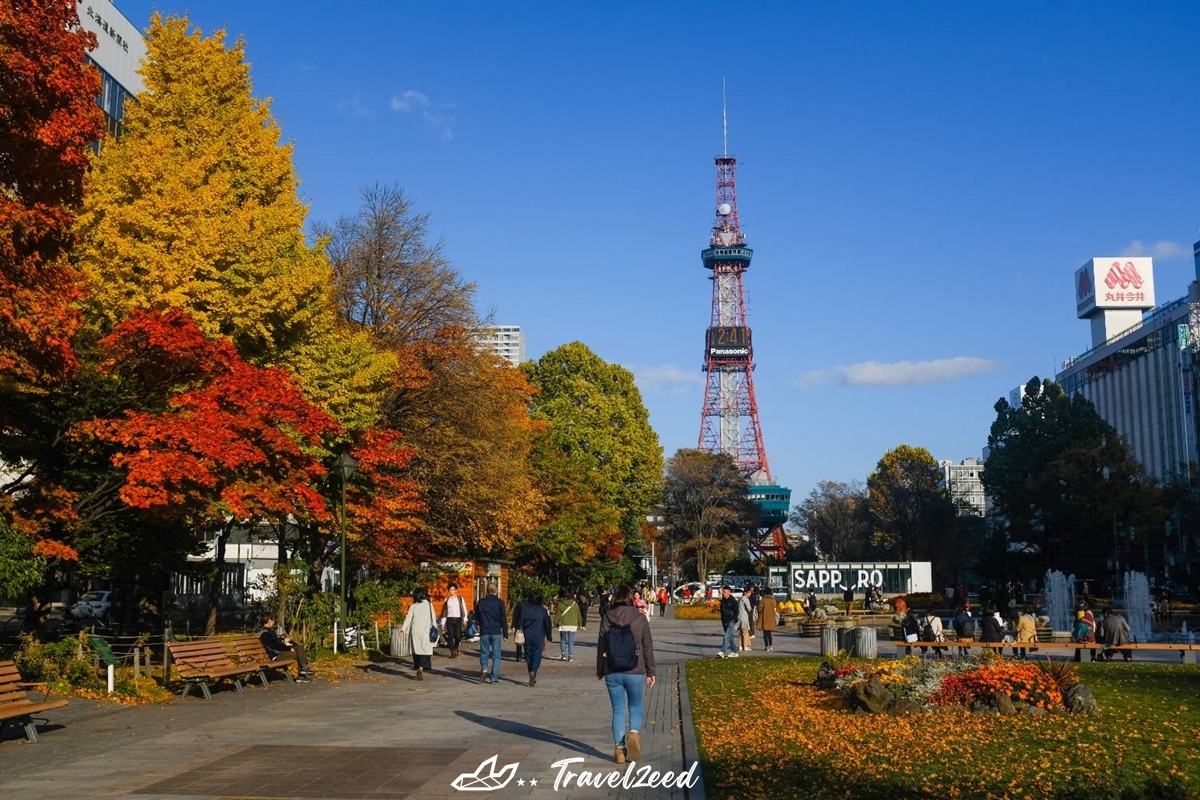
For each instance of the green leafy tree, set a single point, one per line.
(909, 508)
(595, 419)
(706, 507)
(1066, 484)
(836, 518)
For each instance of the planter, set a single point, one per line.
(810, 629)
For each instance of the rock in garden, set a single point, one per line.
(1080, 700)
(982, 707)
(869, 696)
(905, 706)
(1003, 703)
(826, 675)
(1032, 710)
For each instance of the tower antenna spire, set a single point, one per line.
(724, 120)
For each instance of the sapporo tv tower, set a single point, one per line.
(729, 420)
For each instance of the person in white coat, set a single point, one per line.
(745, 614)
(418, 624)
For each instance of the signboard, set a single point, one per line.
(728, 342)
(1124, 283)
(834, 578)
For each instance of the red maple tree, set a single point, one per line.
(48, 118)
(383, 503)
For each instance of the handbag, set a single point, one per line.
(519, 636)
(911, 637)
(434, 633)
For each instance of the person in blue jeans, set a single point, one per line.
(569, 619)
(729, 622)
(535, 624)
(626, 687)
(492, 617)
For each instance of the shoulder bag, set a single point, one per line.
(434, 633)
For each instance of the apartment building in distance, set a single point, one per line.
(506, 341)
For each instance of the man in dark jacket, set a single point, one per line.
(284, 649)
(729, 622)
(493, 623)
(626, 687)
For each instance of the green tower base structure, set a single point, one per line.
(774, 502)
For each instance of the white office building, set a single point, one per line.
(964, 483)
(119, 51)
(506, 341)
(1140, 370)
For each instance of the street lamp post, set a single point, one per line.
(345, 466)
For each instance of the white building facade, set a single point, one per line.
(119, 51)
(506, 341)
(1140, 370)
(964, 483)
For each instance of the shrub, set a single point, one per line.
(709, 610)
(925, 600)
(1024, 683)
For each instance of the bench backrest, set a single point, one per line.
(199, 655)
(11, 690)
(250, 648)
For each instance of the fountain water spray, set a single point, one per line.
(1137, 606)
(1059, 594)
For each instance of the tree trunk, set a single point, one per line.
(214, 584)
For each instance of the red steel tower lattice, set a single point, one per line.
(729, 420)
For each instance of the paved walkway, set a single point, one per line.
(386, 736)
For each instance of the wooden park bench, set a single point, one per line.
(1084, 651)
(202, 662)
(15, 702)
(250, 650)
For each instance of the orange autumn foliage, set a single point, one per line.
(48, 118)
(218, 436)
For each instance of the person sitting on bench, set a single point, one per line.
(284, 648)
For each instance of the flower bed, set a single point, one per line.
(708, 610)
(974, 683)
(789, 738)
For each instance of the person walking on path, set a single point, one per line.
(745, 615)
(569, 619)
(454, 612)
(417, 625)
(729, 622)
(492, 617)
(755, 598)
(625, 662)
(767, 619)
(1115, 633)
(582, 598)
(518, 634)
(640, 604)
(535, 625)
(663, 598)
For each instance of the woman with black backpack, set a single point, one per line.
(625, 662)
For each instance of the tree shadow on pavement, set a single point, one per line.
(532, 732)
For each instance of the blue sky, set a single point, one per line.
(919, 182)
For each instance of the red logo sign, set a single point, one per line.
(1125, 277)
(1086, 287)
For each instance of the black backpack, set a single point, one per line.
(622, 652)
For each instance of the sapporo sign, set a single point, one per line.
(835, 578)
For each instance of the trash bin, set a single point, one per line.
(845, 639)
(399, 646)
(829, 640)
(866, 643)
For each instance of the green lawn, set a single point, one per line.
(765, 731)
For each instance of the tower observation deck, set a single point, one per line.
(729, 419)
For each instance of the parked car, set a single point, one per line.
(93, 605)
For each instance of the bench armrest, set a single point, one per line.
(36, 684)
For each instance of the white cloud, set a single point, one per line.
(667, 379)
(1163, 250)
(411, 100)
(897, 373)
(354, 106)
